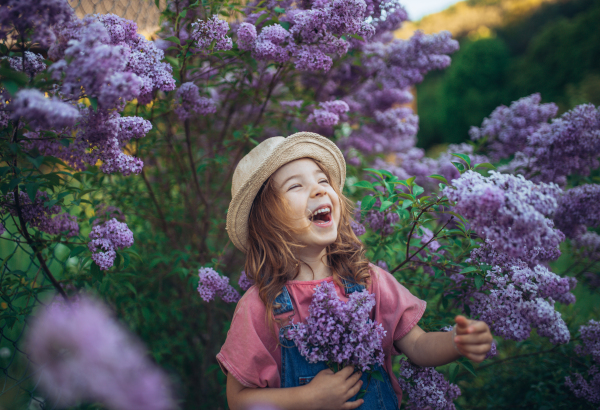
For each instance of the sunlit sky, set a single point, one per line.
(419, 8)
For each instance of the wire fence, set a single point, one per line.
(143, 12)
(23, 288)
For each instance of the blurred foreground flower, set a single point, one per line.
(426, 387)
(83, 354)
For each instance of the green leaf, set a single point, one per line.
(417, 190)
(361, 394)
(76, 251)
(31, 191)
(173, 39)
(262, 18)
(367, 203)
(439, 178)
(485, 165)
(37, 161)
(467, 365)
(478, 282)
(94, 103)
(459, 166)
(463, 157)
(356, 36)
(183, 13)
(385, 205)
(468, 269)
(17, 77)
(157, 2)
(285, 25)
(377, 375)
(96, 272)
(11, 86)
(374, 171)
(410, 181)
(279, 10)
(453, 372)
(363, 184)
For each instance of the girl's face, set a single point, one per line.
(312, 200)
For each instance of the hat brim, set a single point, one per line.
(296, 146)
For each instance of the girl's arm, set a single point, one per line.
(327, 390)
(473, 340)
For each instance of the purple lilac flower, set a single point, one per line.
(329, 113)
(582, 388)
(568, 145)
(383, 265)
(356, 340)
(212, 284)
(578, 208)
(106, 239)
(39, 216)
(214, 29)
(587, 390)
(2, 228)
(246, 36)
(82, 353)
(380, 221)
(188, 99)
(35, 16)
(588, 245)
(292, 103)
(42, 112)
(244, 282)
(517, 297)
(493, 351)
(310, 58)
(426, 387)
(590, 338)
(34, 63)
(507, 129)
(358, 228)
(104, 213)
(511, 211)
(273, 43)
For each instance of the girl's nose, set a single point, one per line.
(318, 190)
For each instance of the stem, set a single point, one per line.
(271, 88)
(517, 357)
(153, 197)
(192, 163)
(415, 224)
(422, 247)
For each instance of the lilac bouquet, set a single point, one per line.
(339, 332)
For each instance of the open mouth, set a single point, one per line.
(321, 216)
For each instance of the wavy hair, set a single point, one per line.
(270, 260)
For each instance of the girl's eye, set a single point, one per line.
(324, 180)
(293, 186)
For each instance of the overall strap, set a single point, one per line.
(351, 287)
(284, 301)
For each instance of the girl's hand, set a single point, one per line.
(473, 338)
(332, 391)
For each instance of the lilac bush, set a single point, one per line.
(340, 332)
(426, 387)
(212, 284)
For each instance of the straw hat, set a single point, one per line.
(266, 158)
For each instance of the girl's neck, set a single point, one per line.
(313, 267)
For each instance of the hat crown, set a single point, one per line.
(253, 161)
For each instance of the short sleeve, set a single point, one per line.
(250, 350)
(397, 309)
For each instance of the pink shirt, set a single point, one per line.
(251, 352)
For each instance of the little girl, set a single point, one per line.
(289, 216)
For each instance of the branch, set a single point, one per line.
(270, 90)
(153, 197)
(422, 247)
(415, 224)
(517, 357)
(192, 163)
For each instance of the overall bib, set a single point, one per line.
(297, 371)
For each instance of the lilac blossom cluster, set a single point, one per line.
(546, 152)
(588, 390)
(507, 129)
(426, 388)
(38, 20)
(82, 353)
(378, 221)
(578, 208)
(213, 29)
(512, 212)
(107, 238)
(188, 100)
(38, 215)
(328, 114)
(212, 284)
(41, 112)
(588, 245)
(340, 332)
(34, 63)
(518, 297)
(244, 282)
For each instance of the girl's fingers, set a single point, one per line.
(354, 378)
(478, 338)
(354, 390)
(477, 358)
(475, 349)
(352, 404)
(346, 372)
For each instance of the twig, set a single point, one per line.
(517, 357)
(422, 247)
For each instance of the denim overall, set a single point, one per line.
(297, 371)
